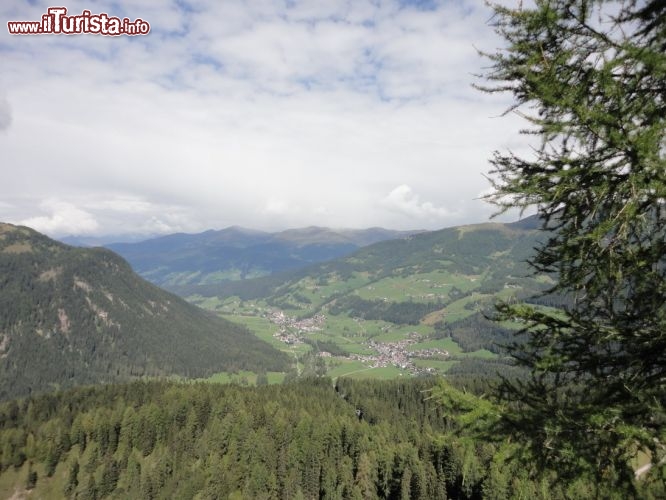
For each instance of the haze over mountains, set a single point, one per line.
(238, 253)
(483, 251)
(406, 306)
(78, 315)
(70, 316)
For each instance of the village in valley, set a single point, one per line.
(293, 331)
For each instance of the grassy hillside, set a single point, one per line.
(71, 316)
(425, 297)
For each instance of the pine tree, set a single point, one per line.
(366, 477)
(590, 79)
(72, 479)
(31, 481)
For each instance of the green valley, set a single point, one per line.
(396, 308)
(308, 285)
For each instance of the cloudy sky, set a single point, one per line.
(259, 113)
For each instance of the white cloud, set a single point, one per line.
(5, 113)
(123, 204)
(402, 199)
(103, 215)
(253, 113)
(64, 218)
(275, 206)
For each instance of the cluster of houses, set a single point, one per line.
(291, 329)
(388, 353)
(307, 325)
(398, 354)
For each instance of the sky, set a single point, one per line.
(263, 114)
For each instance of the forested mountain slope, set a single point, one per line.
(71, 316)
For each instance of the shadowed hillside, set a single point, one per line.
(70, 316)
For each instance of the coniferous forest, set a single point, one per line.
(413, 439)
(557, 385)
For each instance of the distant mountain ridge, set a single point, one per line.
(71, 315)
(494, 248)
(442, 284)
(237, 253)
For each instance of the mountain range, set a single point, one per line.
(73, 315)
(485, 252)
(433, 290)
(237, 253)
(81, 315)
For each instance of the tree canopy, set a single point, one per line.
(360, 439)
(589, 77)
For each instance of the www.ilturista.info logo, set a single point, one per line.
(57, 22)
